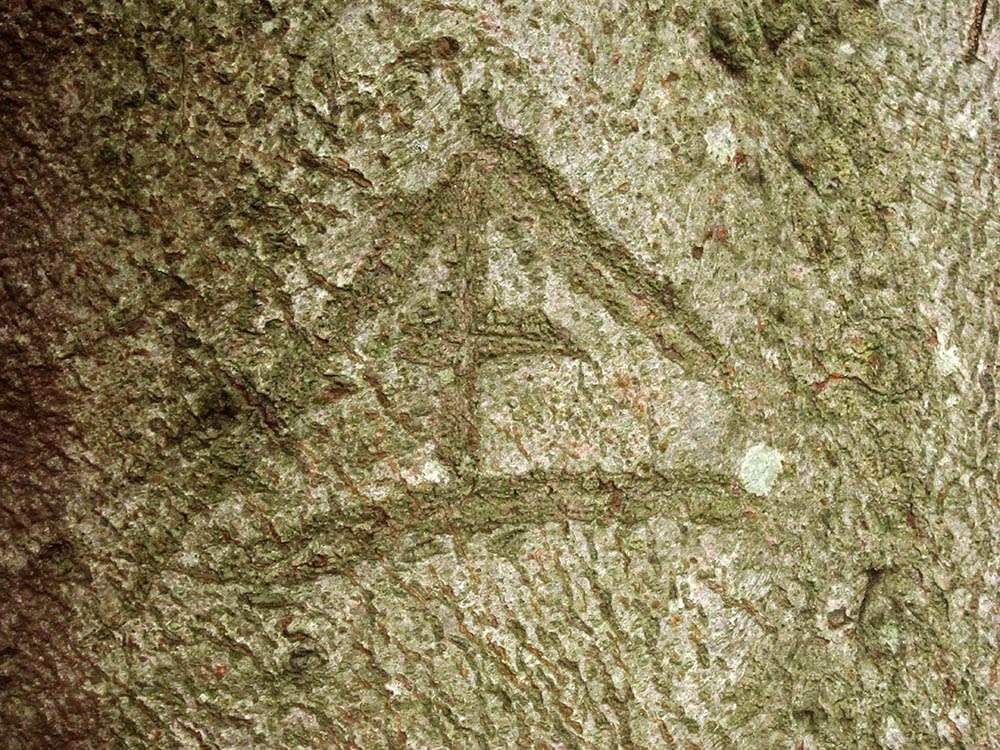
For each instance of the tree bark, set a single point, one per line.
(485, 374)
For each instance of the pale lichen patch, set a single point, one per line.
(894, 737)
(946, 358)
(426, 470)
(721, 142)
(760, 467)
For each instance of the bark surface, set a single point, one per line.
(567, 374)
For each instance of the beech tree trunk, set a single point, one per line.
(543, 374)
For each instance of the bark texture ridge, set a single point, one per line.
(485, 374)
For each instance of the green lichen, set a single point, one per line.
(760, 467)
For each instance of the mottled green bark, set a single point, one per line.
(570, 374)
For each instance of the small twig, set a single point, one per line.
(874, 577)
(975, 30)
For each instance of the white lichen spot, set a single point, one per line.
(946, 732)
(394, 687)
(964, 122)
(894, 737)
(761, 466)
(426, 471)
(960, 719)
(721, 142)
(947, 358)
